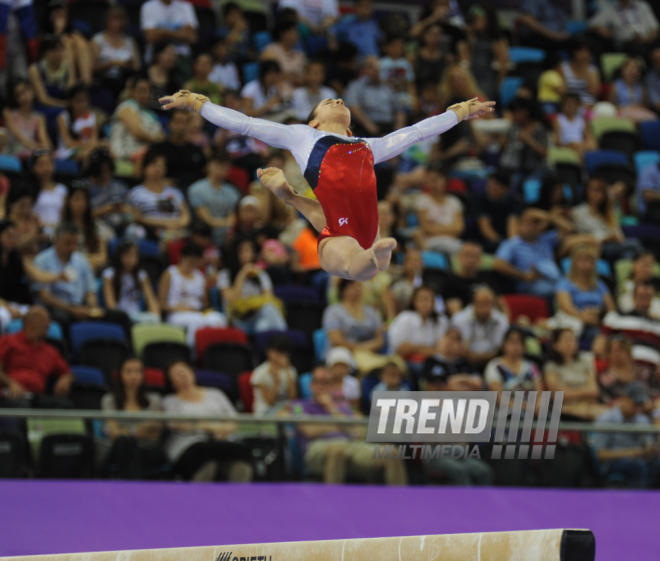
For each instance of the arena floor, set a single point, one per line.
(39, 517)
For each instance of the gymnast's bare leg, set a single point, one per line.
(341, 256)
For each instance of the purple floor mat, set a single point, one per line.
(39, 517)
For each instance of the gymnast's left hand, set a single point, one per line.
(472, 109)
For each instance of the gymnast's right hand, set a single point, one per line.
(183, 99)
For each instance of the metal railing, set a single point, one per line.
(279, 420)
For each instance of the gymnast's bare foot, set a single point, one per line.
(383, 252)
(273, 179)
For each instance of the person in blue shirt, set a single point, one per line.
(582, 294)
(361, 29)
(74, 299)
(529, 257)
(648, 193)
(633, 456)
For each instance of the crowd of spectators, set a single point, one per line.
(527, 243)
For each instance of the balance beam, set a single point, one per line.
(535, 545)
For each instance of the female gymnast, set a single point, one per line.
(340, 169)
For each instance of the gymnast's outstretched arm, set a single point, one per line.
(398, 141)
(274, 134)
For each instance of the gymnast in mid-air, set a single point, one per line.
(340, 170)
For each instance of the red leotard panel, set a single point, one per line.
(346, 190)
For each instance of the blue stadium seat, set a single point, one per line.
(88, 375)
(305, 383)
(526, 54)
(294, 294)
(212, 379)
(650, 132)
(320, 344)
(297, 339)
(89, 330)
(250, 71)
(508, 89)
(10, 163)
(576, 27)
(532, 190)
(644, 159)
(434, 260)
(67, 167)
(604, 157)
(261, 39)
(54, 329)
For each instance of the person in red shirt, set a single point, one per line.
(27, 361)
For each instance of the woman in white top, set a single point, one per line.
(265, 96)
(199, 450)
(418, 330)
(156, 204)
(126, 286)
(244, 281)
(50, 200)
(182, 295)
(115, 54)
(275, 381)
(570, 128)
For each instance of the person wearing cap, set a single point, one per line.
(632, 456)
(340, 362)
(334, 451)
(447, 369)
(497, 211)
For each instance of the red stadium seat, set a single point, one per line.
(211, 335)
(534, 307)
(245, 391)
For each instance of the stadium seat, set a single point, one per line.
(434, 260)
(142, 334)
(231, 358)
(54, 329)
(576, 27)
(305, 385)
(13, 454)
(611, 62)
(292, 293)
(250, 71)
(246, 391)
(558, 154)
(306, 317)
(60, 447)
(650, 132)
(531, 190)
(622, 141)
(597, 158)
(644, 159)
(567, 165)
(623, 270)
(85, 331)
(213, 379)
(649, 233)
(10, 163)
(154, 378)
(87, 16)
(210, 335)
(534, 307)
(320, 345)
(104, 354)
(86, 396)
(88, 375)
(601, 125)
(163, 353)
(526, 54)
(261, 39)
(508, 89)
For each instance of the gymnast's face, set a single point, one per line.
(331, 111)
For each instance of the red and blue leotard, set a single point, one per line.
(339, 168)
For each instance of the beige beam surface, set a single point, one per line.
(535, 545)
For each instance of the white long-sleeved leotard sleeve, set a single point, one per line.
(300, 139)
(398, 141)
